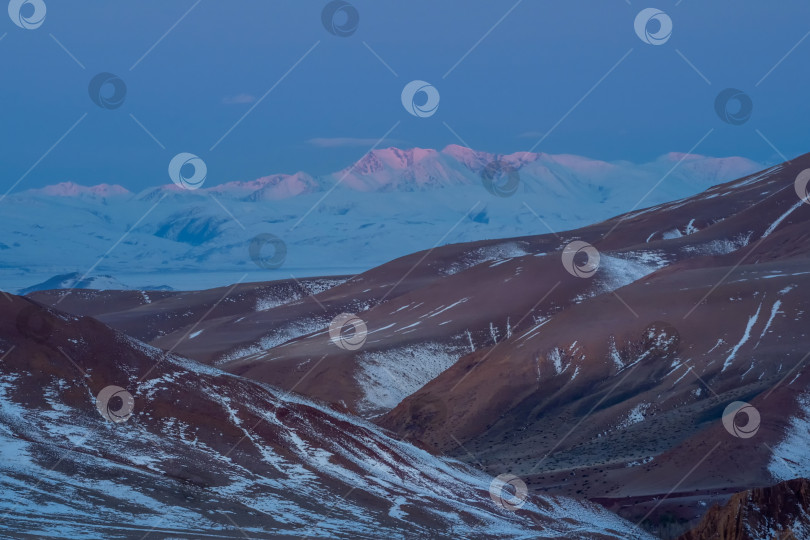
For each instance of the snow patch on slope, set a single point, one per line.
(388, 377)
(276, 337)
(791, 457)
(719, 247)
(499, 252)
(613, 352)
(635, 415)
(774, 312)
(301, 290)
(747, 334)
(616, 271)
(781, 218)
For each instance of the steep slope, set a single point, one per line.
(620, 396)
(425, 311)
(780, 512)
(183, 450)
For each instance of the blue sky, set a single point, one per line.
(519, 82)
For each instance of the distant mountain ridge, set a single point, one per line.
(390, 203)
(417, 169)
(75, 280)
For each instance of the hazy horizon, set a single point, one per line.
(256, 89)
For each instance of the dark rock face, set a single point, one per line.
(780, 512)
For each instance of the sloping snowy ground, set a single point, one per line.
(791, 457)
(209, 454)
(389, 377)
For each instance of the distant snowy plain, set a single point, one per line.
(390, 203)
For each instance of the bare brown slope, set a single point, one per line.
(600, 337)
(610, 387)
(148, 315)
(466, 297)
(463, 297)
(201, 443)
(619, 396)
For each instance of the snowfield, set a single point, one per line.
(791, 457)
(387, 378)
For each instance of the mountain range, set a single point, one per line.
(657, 368)
(390, 203)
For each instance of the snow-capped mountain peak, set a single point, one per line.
(394, 169)
(71, 189)
(420, 169)
(272, 187)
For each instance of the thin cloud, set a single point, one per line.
(342, 142)
(531, 135)
(239, 99)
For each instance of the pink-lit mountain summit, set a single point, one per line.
(417, 169)
(389, 203)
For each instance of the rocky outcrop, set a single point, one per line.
(780, 512)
